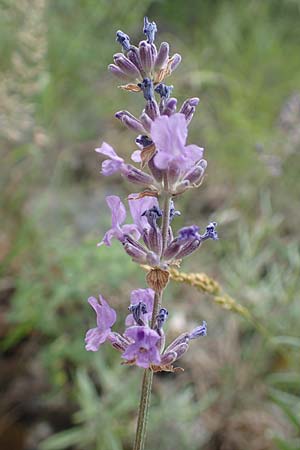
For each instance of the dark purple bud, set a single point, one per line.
(123, 39)
(161, 318)
(169, 107)
(199, 331)
(137, 311)
(149, 30)
(138, 176)
(210, 232)
(157, 173)
(163, 90)
(176, 60)
(152, 215)
(154, 236)
(147, 88)
(117, 72)
(162, 56)
(189, 233)
(190, 102)
(143, 141)
(188, 241)
(134, 56)
(188, 108)
(152, 109)
(126, 66)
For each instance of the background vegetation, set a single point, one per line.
(240, 389)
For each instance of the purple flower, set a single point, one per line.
(138, 206)
(169, 134)
(143, 350)
(118, 216)
(106, 317)
(141, 295)
(112, 165)
(116, 164)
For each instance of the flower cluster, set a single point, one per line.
(139, 344)
(164, 166)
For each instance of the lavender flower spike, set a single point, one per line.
(143, 349)
(106, 317)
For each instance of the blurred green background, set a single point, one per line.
(240, 390)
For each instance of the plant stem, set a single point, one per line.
(140, 436)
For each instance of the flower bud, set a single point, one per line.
(117, 72)
(126, 66)
(130, 121)
(152, 109)
(136, 254)
(169, 107)
(162, 56)
(146, 57)
(146, 121)
(138, 176)
(176, 60)
(123, 39)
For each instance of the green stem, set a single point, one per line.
(140, 436)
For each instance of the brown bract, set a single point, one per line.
(146, 154)
(166, 368)
(130, 87)
(144, 194)
(157, 279)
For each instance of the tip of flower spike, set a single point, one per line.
(149, 30)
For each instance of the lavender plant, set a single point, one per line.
(168, 168)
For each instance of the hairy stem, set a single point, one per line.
(140, 436)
